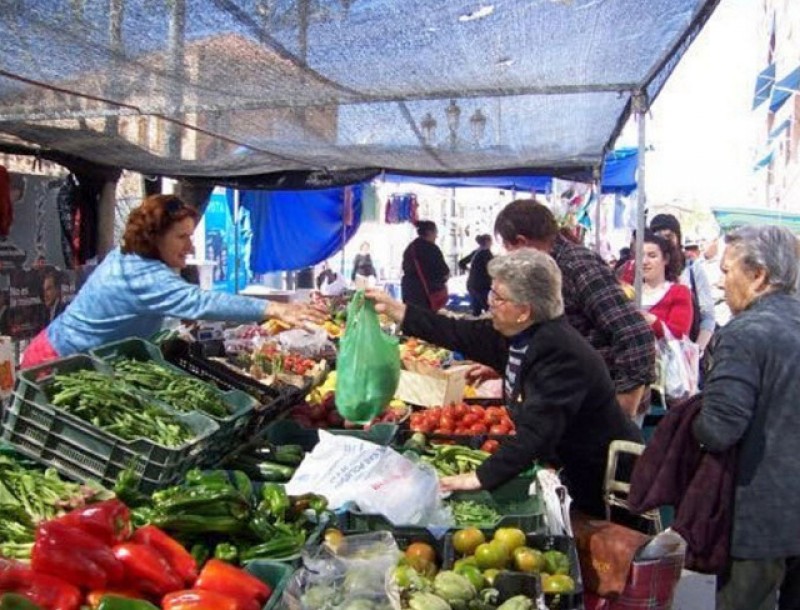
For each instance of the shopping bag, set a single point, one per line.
(368, 365)
(378, 479)
(678, 367)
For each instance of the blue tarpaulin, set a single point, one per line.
(731, 218)
(296, 229)
(784, 89)
(619, 176)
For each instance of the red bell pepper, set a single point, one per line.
(47, 592)
(110, 521)
(198, 599)
(74, 555)
(224, 578)
(179, 559)
(147, 569)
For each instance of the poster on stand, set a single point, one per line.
(220, 245)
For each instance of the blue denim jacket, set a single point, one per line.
(130, 296)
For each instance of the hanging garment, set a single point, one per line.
(6, 207)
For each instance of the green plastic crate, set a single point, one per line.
(81, 451)
(240, 405)
(511, 500)
(288, 432)
(273, 573)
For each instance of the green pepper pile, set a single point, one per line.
(220, 513)
(179, 391)
(116, 408)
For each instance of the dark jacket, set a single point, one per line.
(478, 279)
(565, 409)
(434, 268)
(675, 471)
(362, 265)
(751, 400)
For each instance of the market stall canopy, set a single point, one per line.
(270, 89)
(732, 218)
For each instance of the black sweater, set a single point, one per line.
(564, 406)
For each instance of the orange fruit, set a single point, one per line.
(465, 541)
(421, 550)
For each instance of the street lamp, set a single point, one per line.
(453, 113)
(477, 123)
(428, 125)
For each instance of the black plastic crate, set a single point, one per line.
(272, 401)
(543, 542)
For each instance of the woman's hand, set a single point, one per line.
(650, 318)
(467, 482)
(386, 304)
(297, 314)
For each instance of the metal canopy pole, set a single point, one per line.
(598, 187)
(235, 241)
(639, 102)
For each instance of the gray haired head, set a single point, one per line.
(532, 278)
(774, 249)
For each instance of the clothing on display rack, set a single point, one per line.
(402, 207)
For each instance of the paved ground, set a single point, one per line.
(695, 592)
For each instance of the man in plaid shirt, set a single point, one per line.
(593, 300)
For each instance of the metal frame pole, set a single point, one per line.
(598, 186)
(639, 102)
(236, 203)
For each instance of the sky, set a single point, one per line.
(702, 129)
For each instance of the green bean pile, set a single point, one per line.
(182, 392)
(110, 405)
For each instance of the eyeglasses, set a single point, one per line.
(496, 298)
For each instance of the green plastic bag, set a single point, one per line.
(368, 364)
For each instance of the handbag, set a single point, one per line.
(606, 552)
(436, 299)
(677, 367)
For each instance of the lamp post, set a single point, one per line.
(452, 112)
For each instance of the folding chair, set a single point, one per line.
(616, 491)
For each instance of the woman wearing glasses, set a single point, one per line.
(138, 285)
(556, 385)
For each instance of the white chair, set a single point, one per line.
(616, 491)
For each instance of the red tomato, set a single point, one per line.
(494, 414)
(461, 429)
(477, 410)
(449, 411)
(447, 421)
(460, 410)
(469, 419)
(498, 429)
(443, 431)
(490, 446)
(477, 429)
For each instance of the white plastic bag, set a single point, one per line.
(306, 342)
(556, 499)
(678, 366)
(379, 480)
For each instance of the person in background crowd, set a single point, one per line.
(693, 276)
(137, 286)
(425, 272)
(363, 269)
(51, 296)
(624, 256)
(478, 280)
(594, 302)
(665, 303)
(559, 392)
(750, 402)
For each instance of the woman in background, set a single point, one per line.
(363, 269)
(478, 280)
(665, 302)
(138, 285)
(425, 272)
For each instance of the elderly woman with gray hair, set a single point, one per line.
(557, 388)
(750, 401)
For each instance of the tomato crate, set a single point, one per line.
(473, 441)
(516, 507)
(81, 451)
(288, 432)
(544, 542)
(241, 406)
(273, 573)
